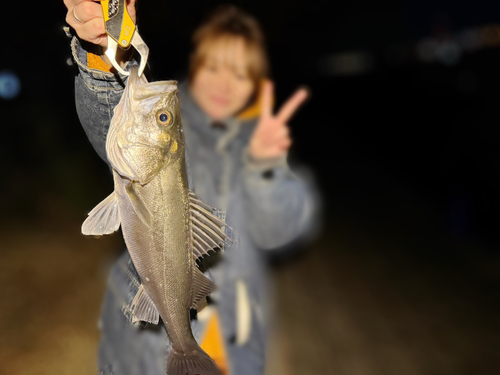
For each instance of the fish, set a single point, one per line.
(165, 225)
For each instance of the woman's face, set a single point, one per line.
(222, 86)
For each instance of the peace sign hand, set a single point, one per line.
(271, 137)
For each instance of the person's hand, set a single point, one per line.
(89, 21)
(271, 138)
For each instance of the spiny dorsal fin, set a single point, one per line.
(202, 287)
(104, 218)
(206, 228)
(143, 308)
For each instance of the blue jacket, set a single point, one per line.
(266, 205)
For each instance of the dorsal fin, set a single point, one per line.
(207, 230)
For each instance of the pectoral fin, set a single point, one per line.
(104, 218)
(143, 308)
(202, 287)
(140, 208)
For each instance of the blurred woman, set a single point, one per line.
(236, 150)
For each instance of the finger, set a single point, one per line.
(283, 138)
(288, 109)
(285, 144)
(86, 11)
(92, 31)
(131, 9)
(70, 4)
(279, 133)
(279, 148)
(101, 40)
(283, 131)
(267, 99)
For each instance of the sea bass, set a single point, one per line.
(166, 227)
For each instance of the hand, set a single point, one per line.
(91, 28)
(271, 137)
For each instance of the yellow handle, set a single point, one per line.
(105, 6)
(119, 24)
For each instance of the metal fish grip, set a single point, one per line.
(122, 32)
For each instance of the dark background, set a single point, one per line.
(405, 151)
(429, 126)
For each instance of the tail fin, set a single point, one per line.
(195, 363)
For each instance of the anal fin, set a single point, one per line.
(104, 218)
(143, 308)
(202, 287)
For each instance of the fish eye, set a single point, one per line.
(164, 117)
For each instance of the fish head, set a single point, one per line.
(145, 133)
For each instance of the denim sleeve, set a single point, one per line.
(96, 94)
(281, 206)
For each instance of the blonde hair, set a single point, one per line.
(227, 23)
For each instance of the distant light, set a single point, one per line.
(426, 50)
(448, 53)
(346, 63)
(470, 40)
(10, 85)
(445, 49)
(491, 36)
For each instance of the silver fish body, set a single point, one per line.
(164, 224)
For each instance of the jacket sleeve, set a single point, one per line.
(281, 206)
(96, 95)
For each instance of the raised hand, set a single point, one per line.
(271, 137)
(85, 16)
